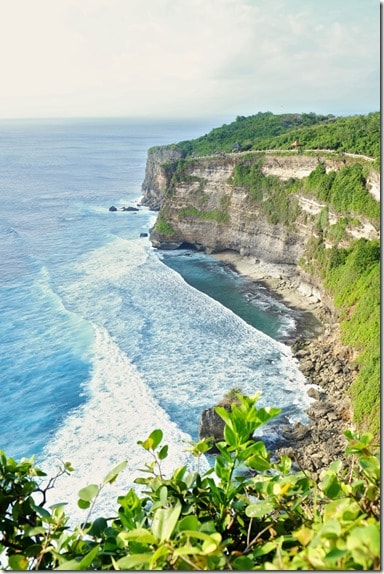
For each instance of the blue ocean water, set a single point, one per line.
(100, 340)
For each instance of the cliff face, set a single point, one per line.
(202, 207)
(224, 202)
(157, 177)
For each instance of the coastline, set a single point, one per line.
(283, 283)
(326, 363)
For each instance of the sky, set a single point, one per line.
(188, 58)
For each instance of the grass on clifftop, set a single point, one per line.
(358, 134)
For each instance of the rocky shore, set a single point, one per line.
(325, 362)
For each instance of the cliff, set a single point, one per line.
(200, 204)
(265, 207)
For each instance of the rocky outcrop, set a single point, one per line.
(297, 165)
(157, 176)
(206, 211)
(203, 208)
(211, 426)
(330, 370)
(329, 366)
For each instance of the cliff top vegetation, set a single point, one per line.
(359, 134)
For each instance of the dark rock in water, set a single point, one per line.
(143, 234)
(130, 208)
(211, 425)
(113, 208)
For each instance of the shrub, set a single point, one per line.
(164, 227)
(246, 512)
(352, 277)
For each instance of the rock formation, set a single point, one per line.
(202, 207)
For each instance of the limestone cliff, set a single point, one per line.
(157, 176)
(276, 218)
(201, 206)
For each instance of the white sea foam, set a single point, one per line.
(163, 351)
(119, 411)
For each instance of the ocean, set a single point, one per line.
(103, 338)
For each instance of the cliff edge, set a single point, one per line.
(300, 212)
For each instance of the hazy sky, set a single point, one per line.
(188, 58)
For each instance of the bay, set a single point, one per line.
(101, 341)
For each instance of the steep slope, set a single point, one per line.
(201, 203)
(314, 212)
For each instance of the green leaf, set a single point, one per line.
(367, 536)
(163, 495)
(211, 543)
(33, 530)
(264, 549)
(83, 504)
(68, 467)
(330, 529)
(159, 553)
(225, 415)
(88, 559)
(304, 535)
(33, 550)
(210, 540)
(164, 521)
(336, 466)
(113, 474)
(141, 535)
(370, 466)
(258, 462)
(221, 468)
(41, 511)
(244, 563)
(163, 452)
(89, 492)
(285, 464)
(344, 508)
(152, 441)
(156, 437)
(134, 560)
(82, 564)
(187, 550)
(230, 436)
(259, 509)
(18, 562)
(189, 522)
(98, 527)
(330, 484)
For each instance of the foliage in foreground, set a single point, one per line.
(247, 512)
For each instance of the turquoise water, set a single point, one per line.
(100, 341)
(250, 301)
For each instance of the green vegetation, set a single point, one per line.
(213, 215)
(352, 276)
(245, 513)
(344, 190)
(275, 197)
(358, 134)
(248, 174)
(162, 226)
